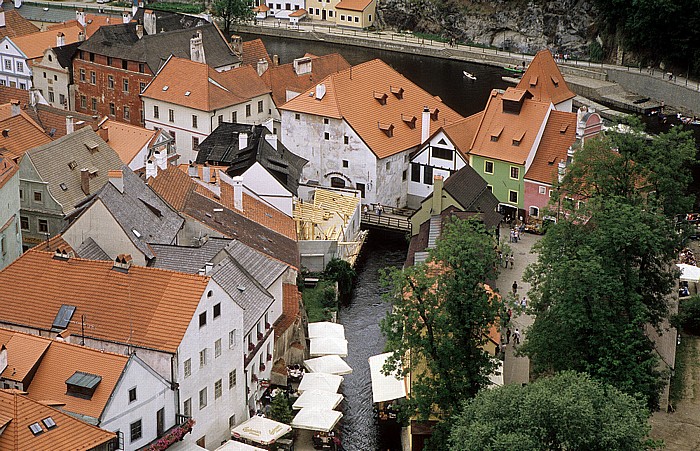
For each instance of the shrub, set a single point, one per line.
(688, 317)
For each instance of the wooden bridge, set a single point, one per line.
(391, 218)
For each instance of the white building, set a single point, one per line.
(14, 72)
(53, 74)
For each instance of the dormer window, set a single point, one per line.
(564, 128)
(388, 129)
(380, 97)
(555, 80)
(518, 138)
(409, 120)
(533, 81)
(82, 385)
(434, 114)
(495, 134)
(398, 92)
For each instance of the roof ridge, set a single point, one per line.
(494, 94)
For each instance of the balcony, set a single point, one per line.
(183, 426)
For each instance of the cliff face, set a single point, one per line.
(524, 26)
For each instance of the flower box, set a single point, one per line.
(262, 367)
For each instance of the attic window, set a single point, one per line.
(72, 164)
(564, 128)
(82, 385)
(409, 120)
(533, 80)
(187, 93)
(434, 114)
(63, 186)
(398, 92)
(49, 423)
(388, 129)
(518, 137)
(36, 429)
(63, 317)
(381, 97)
(555, 80)
(165, 88)
(495, 134)
(91, 146)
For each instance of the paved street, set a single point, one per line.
(516, 370)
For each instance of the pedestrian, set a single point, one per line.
(379, 209)
(500, 257)
(510, 315)
(512, 261)
(510, 240)
(516, 234)
(516, 336)
(508, 332)
(523, 302)
(515, 287)
(505, 259)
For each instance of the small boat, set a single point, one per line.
(516, 70)
(468, 75)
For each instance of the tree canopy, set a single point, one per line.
(231, 12)
(569, 411)
(441, 313)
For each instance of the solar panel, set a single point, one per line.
(63, 317)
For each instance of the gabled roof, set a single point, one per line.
(33, 45)
(189, 259)
(53, 120)
(18, 412)
(145, 307)
(372, 97)
(92, 23)
(168, 20)
(180, 191)
(499, 130)
(127, 139)
(221, 148)
(254, 51)
(24, 352)
(543, 79)
(89, 250)
(8, 94)
(462, 132)
(22, 133)
(64, 54)
(204, 88)
(16, 25)
(261, 267)
(354, 5)
(54, 163)
(559, 134)
(283, 78)
(8, 169)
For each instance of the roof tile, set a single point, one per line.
(544, 81)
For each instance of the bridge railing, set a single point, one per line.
(388, 221)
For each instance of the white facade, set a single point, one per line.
(259, 183)
(10, 233)
(53, 81)
(566, 105)
(189, 131)
(286, 7)
(14, 71)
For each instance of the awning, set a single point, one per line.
(260, 430)
(385, 388)
(319, 399)
(328, 346)
(313, 419)
(331, 364)
(232, 445)
(689, 273)
(320, 381)
(326, 329)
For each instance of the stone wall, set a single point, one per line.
(684, 99)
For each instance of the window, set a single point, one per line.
(231, 379)
(52, 97)
(21, 194)
(247, 111)
(135, 429)
(361, 188)
(24, 222)
(82, 74)
(37, 196)
(62, 99)
(110, 82)
(142, 86)
(94, 104)
(217, 389)
(171, 115)
(326, 121)
(92, 57)
(195, 142)
(22, 86)
(8, 65)
(127, 113)
(3, 247)
(550, 193)
(172, 133)
(188, 367)
(514, 172)
(490, 188)
(142, 68)
(109, 61)
(369, 18)
(187, 407)
(346, 139)
(221, 119)
(443, 154)
(93, 77)
(20, 66)
(543, 190)
(83, 102)
(428, 175)
(125, 64)
(513, 196)
(35, 428)
(534, 211)
(260, 106)
(345, 163)
(357, 19)
(326, 135)
(342, 17)
(194, 121)
(234, 116)
(49, 423)
(132, 394)
(125, 84)
(202, 319)
(231, 421)
(297, 116)
(415, 172)
(488, 167)
(232, 339)
(217, 310)
(202, 398)
(217, 348)
(404, 174)
(156, 113)
(202, 357)
(112, 110)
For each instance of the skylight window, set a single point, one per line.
(49, 423)
(187, 93)
(35, 428)
(63, 186)
(165, 88)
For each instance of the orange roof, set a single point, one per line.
(24, 351)
(146, 307)
(126, 139)
(204, 88)
(262, 8)
(8, 168)
(354, 5)
(298, 13)
(372, 97)
(53, 244)
(462, 132)
(22, 134)
(92, 23)
(18, 412)
(559, 134)
(16, 25)
(544, 81)
(33, 45)
(499, 130)
(254, 51)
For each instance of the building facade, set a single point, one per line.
(10, 225)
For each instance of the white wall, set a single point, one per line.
(49, 76)
(10, 54)
(391, 186)
(9, 217)
(267, 187)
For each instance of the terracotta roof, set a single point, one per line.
(33, 45)
(283, 78)
(16, 25)
(364, 97)
(55, 243)
(262, 8)
(126, 139)
(462, 132)
(92, 23)
(290, 308)
(8, 94)
(354, 5)
(70, 434)
(145, 307)
(543, 79)
(559, 134)
(8, 169)
(24, 352)
(298, 13)
(204, 88)
(254, 51)
(53, 120)
(498, 129)
(23, 134)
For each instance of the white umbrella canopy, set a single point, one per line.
(385, 388)
(261, 430)
(326, 329)
(319, 399)
(232, 445)
(689, 272)
(328, 346)
(314, 419)
(331, 364)
(320, 381)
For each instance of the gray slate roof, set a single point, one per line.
(121, 41)
(169, 21)
(90, 250)
(261, 267)
(189, 259)
(52, 163)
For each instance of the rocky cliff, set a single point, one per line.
(518, 25)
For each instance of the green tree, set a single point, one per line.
(441, 313)
(232, 12)
(569, 411)
(340, 271)
(280, 410)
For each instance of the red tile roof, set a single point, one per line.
(16, 25)
(24, 352)
(8, 169)
(127, 139)
(254, 51)
(372, 97)
(20, 134)
(33, 45)
(544, 81)
(462, 132)
(559, 134)
(354, 5)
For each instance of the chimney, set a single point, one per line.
(275, 60)
(149, 22)
(85, 180)
(81, 36)
(126, 17)
(70, 128)
(437, 195)
(3, 358)
(302, 65)
(237, 44)
(271, 139)
(80, 16)
(151, 169)
(237, 183)
(262, 66)
(15, 109)
(122, 263)
(206, 174)
(116, 178)
(139, 30)
(2, 17)
(197, 48)
(242, 140)
(18, 4)
(60, 39)
(103, 133)
(425, 125)
(161, 158)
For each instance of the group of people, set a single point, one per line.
(504, 259)
(515, 335)
(686, 256)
